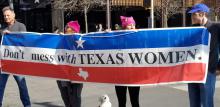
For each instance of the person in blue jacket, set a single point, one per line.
(202, 94)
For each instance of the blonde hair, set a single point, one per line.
(7, 8)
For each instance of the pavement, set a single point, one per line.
(44, 93)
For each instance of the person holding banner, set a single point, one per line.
(128, 23)
(13, 26)
(71, 92)
(202, 94)
(218, 69)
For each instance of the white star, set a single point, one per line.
(80, 43)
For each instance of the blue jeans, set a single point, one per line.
(24, 96)
(202, 95)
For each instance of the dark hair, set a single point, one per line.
(7, 8)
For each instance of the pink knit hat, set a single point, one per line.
(125, 21)
(74, 25)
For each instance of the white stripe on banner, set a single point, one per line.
(146, 57)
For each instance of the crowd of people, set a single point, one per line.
(200, 95)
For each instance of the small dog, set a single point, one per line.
(104, 101)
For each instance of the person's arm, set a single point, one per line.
(4, 30)
(22, 27)
(218, 66)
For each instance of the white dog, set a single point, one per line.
(105, 101)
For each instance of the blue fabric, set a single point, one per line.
(202, 95)
(144, 38)
(24, 96)
(199, 8)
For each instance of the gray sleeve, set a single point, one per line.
(22, 28)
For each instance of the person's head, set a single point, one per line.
(72, 27)
(9, 15)
(117, 27)
(127, 22)
(199, 14)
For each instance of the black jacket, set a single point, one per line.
(214, 29)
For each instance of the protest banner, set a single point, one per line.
(136, 57)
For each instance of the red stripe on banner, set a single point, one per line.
(115, 75)
(143, 75)
(35, 69)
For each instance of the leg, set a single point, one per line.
(121, 95)
(24, 95)
(63, 87)
(3, 81)
(194, 94)
(134, 96)
(75, 94)
(208, 91)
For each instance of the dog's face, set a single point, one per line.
(104, 98)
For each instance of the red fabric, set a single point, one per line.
(115, 75)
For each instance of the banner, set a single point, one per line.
(136, 57)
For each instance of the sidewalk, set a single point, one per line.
(44, 93)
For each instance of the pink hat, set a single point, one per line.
(125, 21)
(74, 25)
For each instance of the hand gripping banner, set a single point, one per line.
(136, 57)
